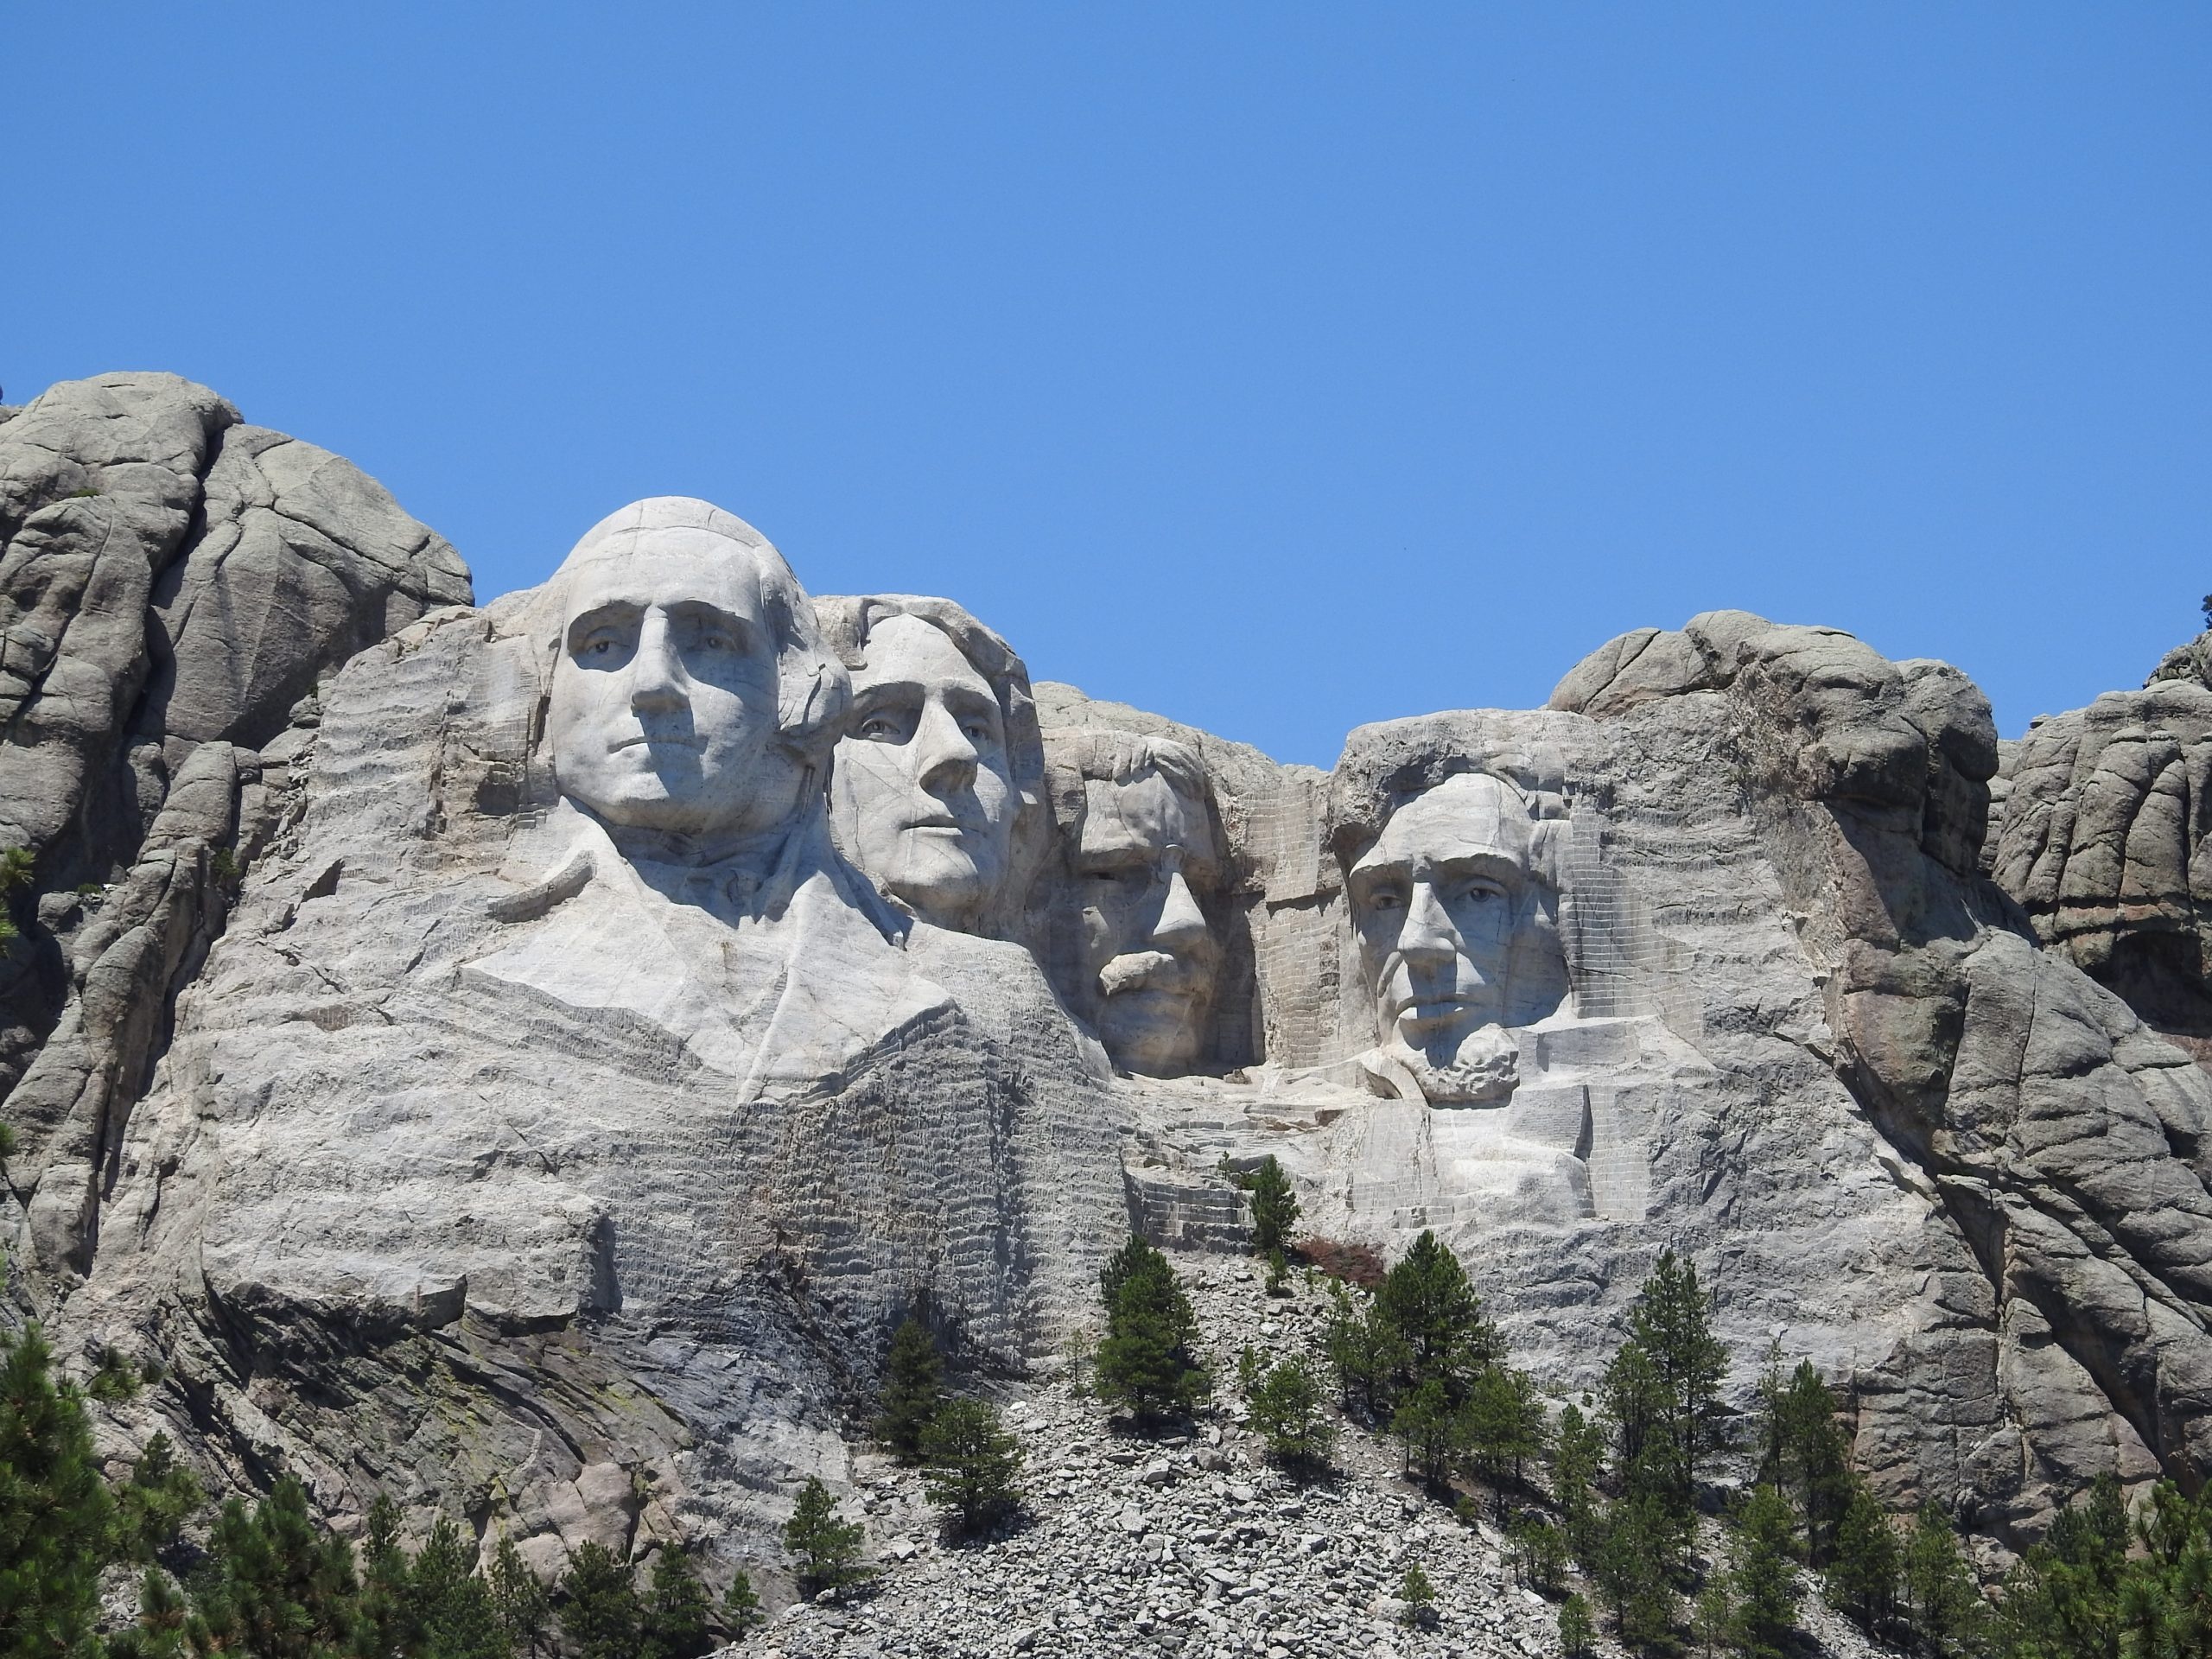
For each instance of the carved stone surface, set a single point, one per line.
(645, 989)
(935, 795)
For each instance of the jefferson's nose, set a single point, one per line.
(1426, 932)
(657, 678)
(1181, 922)
(944, 756)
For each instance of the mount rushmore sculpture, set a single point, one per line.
(526, 1059)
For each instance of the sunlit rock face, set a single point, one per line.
(532, 1072)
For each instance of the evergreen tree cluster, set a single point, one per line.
(1148, 1361)
(971, 1466)
(1418, 1355)
(271, 1581)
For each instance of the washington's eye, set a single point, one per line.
(600, 648)
(1388, 898)
(718, 642)
(880, 726)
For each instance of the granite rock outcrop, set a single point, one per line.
(526, 1059)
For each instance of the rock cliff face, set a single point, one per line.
(501, 1079)
(173, 583)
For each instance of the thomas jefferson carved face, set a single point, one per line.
(1143, 857)
(922, 794)
(663, 714)
(1456, 935)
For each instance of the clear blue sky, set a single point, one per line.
(1277, 367)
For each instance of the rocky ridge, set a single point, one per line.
(382, 1118)
(1190, 1542)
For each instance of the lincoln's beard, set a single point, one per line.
(1482, 1071)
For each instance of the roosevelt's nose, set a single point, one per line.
(944, 755)
(1181, 922)
(656, 678)
(1426, 932)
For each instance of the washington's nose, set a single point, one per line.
(656, 672)
(1427, 931)
(1181, 922)
(945, 756)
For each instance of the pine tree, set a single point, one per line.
(1804, 1451)
(1946, 1607)
(971, 1466)
(1637, 1554)
(1425, 1302)
(1274, 1207)
(520, 1600)
(741, 1608)
(913, 1390)
(1361, 1349)
(1861, 1581)
(1287, 1411)
(1148, 1362)
(1578, 1456)
(1427, 1425)
(600, 1612)
(677, 1609)
(1672, 1323)
(1713, 1615)
(1501, 1427)
(55, 1514)
(1576, 1635)
(828, 1550)
(157, 1499)
(456, 1615)
(1762, 1574)
(1417, 1593)
(275, 1584)
(390, 1621)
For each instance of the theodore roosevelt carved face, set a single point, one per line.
(1141, 855)
(688, 698)
(1458, 939)
(923, 796)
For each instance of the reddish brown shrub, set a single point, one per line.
(1356, 1264)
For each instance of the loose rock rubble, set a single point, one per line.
(1186, 1543)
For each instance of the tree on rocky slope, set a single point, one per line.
(1762, 1574)
(970, 1464)
(600, 1612)
(913, 1389)
(1287, 1412)
(827, 1549)
(1148, 1361)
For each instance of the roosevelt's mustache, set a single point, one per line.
(1153, 971)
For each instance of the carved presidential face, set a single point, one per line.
(1142, 859)
(1455, 937)
(662, 713)
(922, 793)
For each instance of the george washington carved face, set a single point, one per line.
(671, 704)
